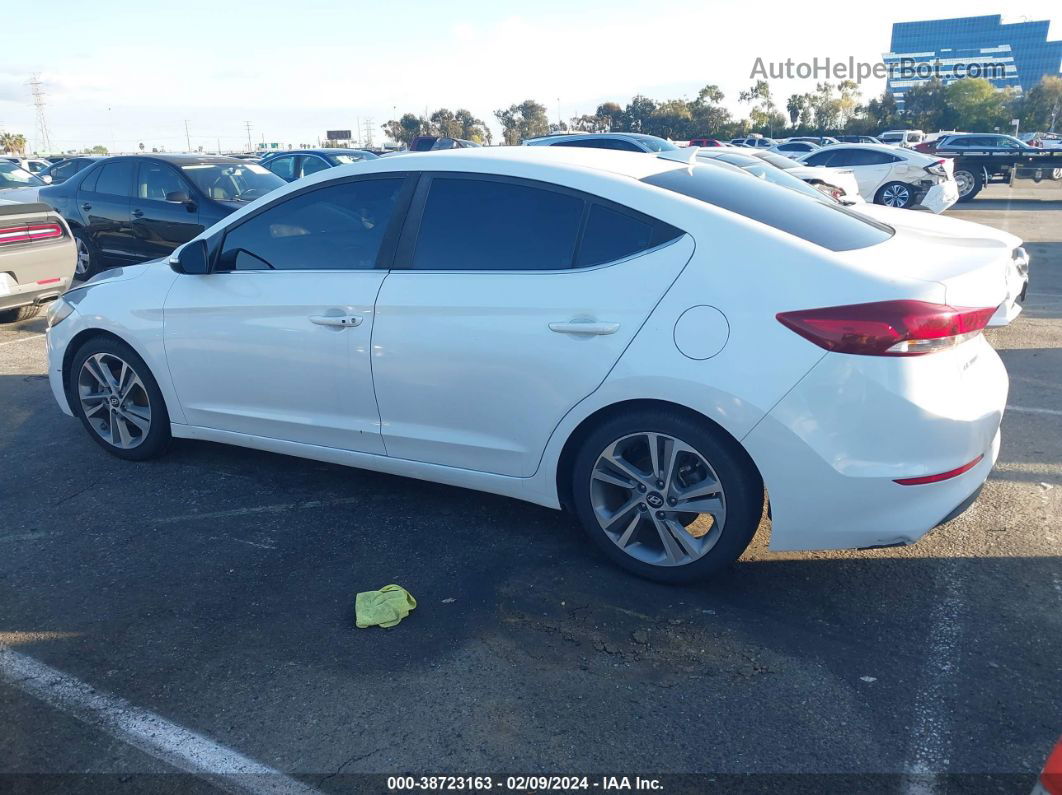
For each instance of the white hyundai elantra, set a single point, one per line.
(650, 343)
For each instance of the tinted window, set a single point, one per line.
(11, 176)
(116, 179)
(338, 227)
(283, 167)
(89, 181)
(827, 225)
(819, 158)
(601, 143)
(861, 157)
(311, 164)
(157, 181)
(612, 235)
(62, 171)
(474, 224)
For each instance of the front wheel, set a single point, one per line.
(968, 182)
(118, 400)
(895, 194)
(666, 496)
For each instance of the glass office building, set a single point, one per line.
(1015, 54)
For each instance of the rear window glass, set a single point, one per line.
(825, 225)
(611, 235)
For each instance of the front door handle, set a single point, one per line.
(340, 321)
(86, 206)
(589, 327)
(138, 213)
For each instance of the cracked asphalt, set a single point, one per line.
(215, 587)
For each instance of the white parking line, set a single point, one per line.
(1030, 410)
(22, 339)
(150, 733)
(928, 756)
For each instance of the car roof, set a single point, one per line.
(573, 136)
(178, 159)
(322, 151)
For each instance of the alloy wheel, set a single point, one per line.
(114, 400)
(896, 196)
(964, 181)
(84, 259)
(657, 499)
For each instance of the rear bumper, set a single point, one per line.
(13, 294)
(941, 196)
(831, 451)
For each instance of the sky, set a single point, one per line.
(121, 77)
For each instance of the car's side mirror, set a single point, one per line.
(178, 197)
(192, 258)
(46, 178)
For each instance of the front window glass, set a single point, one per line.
(159, 182)
(234, 182)
(337, 227)
(11, 176)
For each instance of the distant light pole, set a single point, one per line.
(559, 122)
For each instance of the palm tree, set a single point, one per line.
(13, 142)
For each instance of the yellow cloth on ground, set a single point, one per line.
(384, 608)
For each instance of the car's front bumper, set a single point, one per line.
(831, 451)
(56, 340)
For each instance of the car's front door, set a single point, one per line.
(164, 214)
(103, 203)
(276, 341)
(501, 314)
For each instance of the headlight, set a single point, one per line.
(58, 312)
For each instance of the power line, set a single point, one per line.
(43, 141)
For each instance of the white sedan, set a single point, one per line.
(893, 176)
(650, 343)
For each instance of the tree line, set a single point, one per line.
(971, 104)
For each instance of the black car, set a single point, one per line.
(290, 166)
(63, 170)
(134, 208)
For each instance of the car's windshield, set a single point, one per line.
(349, 158)
(825, 224)
(654, 144)
(239, 182)
(11, 176)
(779, 161)
(765, 171)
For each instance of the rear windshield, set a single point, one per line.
(826, 225)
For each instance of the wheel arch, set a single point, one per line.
(566, 459)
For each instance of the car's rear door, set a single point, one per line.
(103, 204)
(163, 214)
(276, 341)
(486, 335)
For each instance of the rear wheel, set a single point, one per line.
(19, 313)
(87, 264)
(969, 183)
(118, 400)
(666, 496)
(895, 194)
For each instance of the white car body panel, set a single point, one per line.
(502, 393)
(839, 177)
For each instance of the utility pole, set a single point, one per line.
(250, 146)
(559, 122)
(368, 133)
(37, 91)
(187, 137)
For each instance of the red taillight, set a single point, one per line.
(951, 473)
(1051, 778)
(28, 233)
(887, 328)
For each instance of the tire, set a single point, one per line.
(895, 194)
(19, 313)
(970, 183)
(118, 425)
(660, 541)
(89, 260)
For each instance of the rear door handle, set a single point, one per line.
(340, 321)
(138, 213)
(589, 327)
(86, 206)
